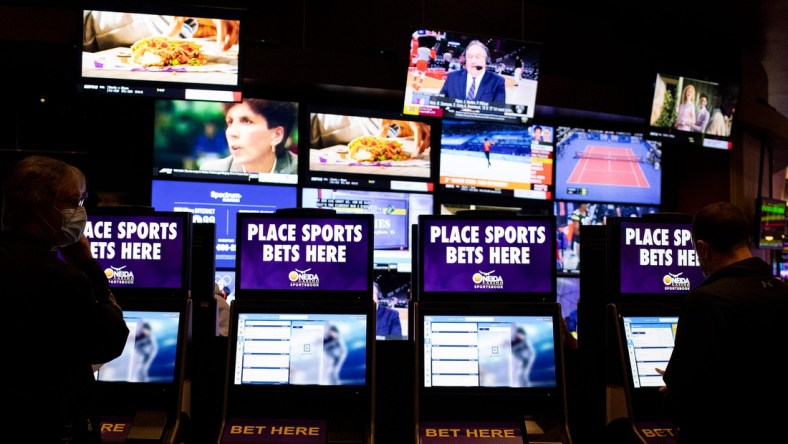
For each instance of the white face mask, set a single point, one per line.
(74, 221)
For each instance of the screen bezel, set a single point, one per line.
(511, 295)
(155, 88)
(492, 403)
(322, 295)
(184, 219)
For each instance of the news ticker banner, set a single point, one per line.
(515, 255)
(139, 251)
(289, 253)
(658, 257)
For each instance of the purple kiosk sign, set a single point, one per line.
(299, 253)
(657, 258)
(140, 250)
(487, 255)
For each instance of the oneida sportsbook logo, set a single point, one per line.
(303, 278)
(119, 276)
(675, 282)
(487, 280)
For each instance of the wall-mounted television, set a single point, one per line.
(498, 161)
(693, 111)
(158, 50)
(445, 67)
(142, 250)
(394, 213)
(486, 257)
(770, 223)
(598, 165)
(219, 203)
(370, 150)
(281, 255)
(255, 140)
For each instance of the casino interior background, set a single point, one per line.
(597, 65)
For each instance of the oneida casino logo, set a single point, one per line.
(487, 280)
(303, 278)
(675, 282)
(119, 276)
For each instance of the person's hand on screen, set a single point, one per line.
(227, 33)
(661, 372)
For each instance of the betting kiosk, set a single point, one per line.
(302, 330)
(653, 265)
(488, 338)
(146, 258)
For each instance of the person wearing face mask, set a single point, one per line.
(725, 379)
(66, 320)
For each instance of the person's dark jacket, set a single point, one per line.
(60, 321)
(726, 377)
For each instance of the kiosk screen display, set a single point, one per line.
(649, 342)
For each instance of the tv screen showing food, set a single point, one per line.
(471, 77)
(371, 150)
(174, 52)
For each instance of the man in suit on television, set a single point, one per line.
(475, 82)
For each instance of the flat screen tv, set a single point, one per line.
(394, 212)
(158, 50)
(371, 150)
(496, 161)
(253, 141)
(770, 223)
(480, 360)
(142, 249)
(469, 257)
(219, 203)
(596, 165)
(652, 258)
(313, 256)
(693, 111)
(438, 82)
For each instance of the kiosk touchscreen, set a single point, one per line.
(143, 389)
(299, 372)
(468, 257)
(490, 370)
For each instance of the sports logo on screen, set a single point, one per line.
(303, 278)
(676, 282)
(119, 276)
(487, 280)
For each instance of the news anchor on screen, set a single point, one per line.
(475, 82)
